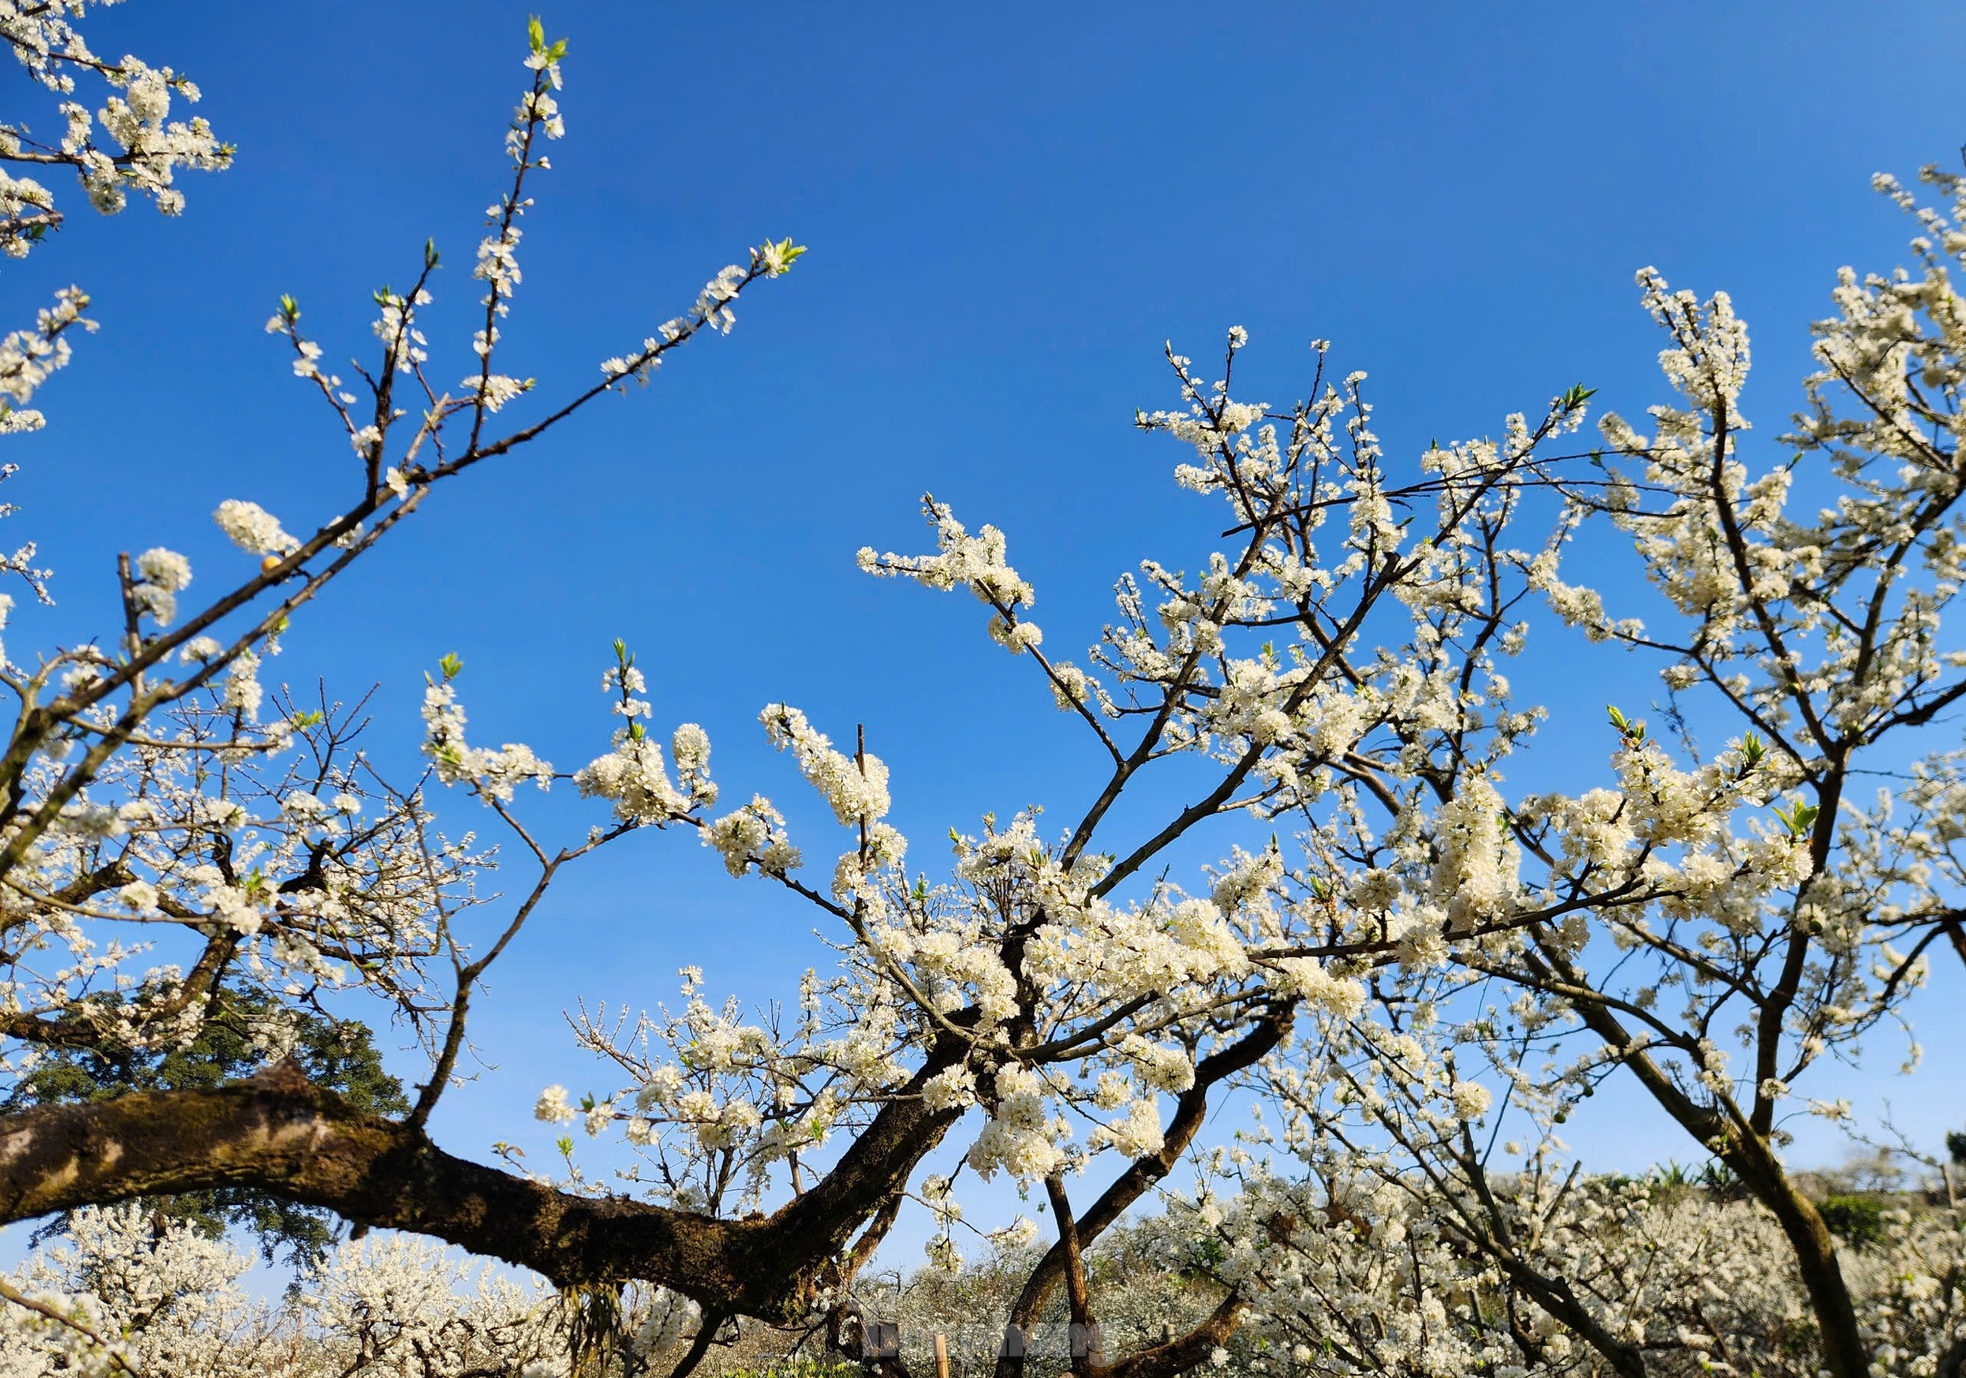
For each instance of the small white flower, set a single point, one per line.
(252, 528)
(552, 1106)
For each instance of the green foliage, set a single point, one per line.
(1572, 400)
(1798, 820)
(1857, 1220)
(1956, 1146)
(1674, 1174)
(536, 37)
(338, 1055)
(1673, 1179)
(1629, 729)
(1752, 750)
(1206, 1253)
(784, 251)
(1718, 1179)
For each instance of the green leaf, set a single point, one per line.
(451, 665)
(1752, 751)
(1798, 820)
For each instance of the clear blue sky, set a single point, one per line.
(1009, 208)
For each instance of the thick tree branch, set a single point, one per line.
(282, 1134)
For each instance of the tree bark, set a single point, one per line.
(1844, 1353)
(281, 1133)
(1737, 1145)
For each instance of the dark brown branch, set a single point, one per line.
(282, 1134)
(1190, 1109)
(1185, 1352)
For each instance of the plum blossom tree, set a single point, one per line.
(128, 145)
(121, 1294)
(1753, 916)
(1701, 1282)
(146, 785)
(1799, 916)
(1056, 1003)
(126, 1292)
(1355, 1271)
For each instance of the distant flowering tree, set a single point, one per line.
(1428, 959)
(123, 1293)
(1699, 1282)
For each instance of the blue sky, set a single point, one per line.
(1009, 208)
